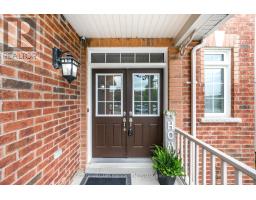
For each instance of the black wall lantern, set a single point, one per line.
(67, 62)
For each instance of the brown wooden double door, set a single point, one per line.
(127, 112)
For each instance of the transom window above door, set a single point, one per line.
(145, 89)
(128, 57)
(109, 94)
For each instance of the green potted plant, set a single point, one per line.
(167, 165)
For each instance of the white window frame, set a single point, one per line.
(96, 99)
(158, 96)
(226, 65)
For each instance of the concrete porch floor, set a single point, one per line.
(140, 169)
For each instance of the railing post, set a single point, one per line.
(170, 141)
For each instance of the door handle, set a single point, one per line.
(130, 130)
(124, 124)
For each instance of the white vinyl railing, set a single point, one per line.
(188, 148)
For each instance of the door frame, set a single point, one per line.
(91, 66)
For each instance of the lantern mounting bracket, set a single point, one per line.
(56, 57)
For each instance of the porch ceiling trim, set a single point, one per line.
(201, 25)
(181, 27)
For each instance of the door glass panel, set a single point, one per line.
(117, 82)
(137, 82)
(153, 107)
(137, 95)
(109, 94)
(101, 94)
(101, 82)
(153, 94)
(146, 94)
(144, 81)
(117, 108)
(109, 81)
(101, 108)
(117, 95)
(153, 81)
(145, 108)
(109, 108)
(137, 108)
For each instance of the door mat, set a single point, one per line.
(106, 179)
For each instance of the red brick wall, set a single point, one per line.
(226, 137)
(39, 111)
(235, 139)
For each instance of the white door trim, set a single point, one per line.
(91, 66)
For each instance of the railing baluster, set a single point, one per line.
(186, 156)
(191, 163)
(239, 177)
(213, 172)
(196, 164)
(224, 173)
(204, 166)
(181, 148)
(177, 143)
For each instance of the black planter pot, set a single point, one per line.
(166, 180)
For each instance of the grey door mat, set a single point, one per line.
(106, 179)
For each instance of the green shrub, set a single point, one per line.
(167, 162)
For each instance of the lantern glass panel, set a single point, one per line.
(66, 68)
(74, 70)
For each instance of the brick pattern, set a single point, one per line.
(225, 136)
(235, 139)
(40, 111)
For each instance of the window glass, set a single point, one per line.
(109, 94)
(146, 94)
(214, 57)
(214, 90)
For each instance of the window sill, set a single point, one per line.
(221, 120)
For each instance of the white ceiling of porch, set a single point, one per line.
(181, 27)
(128, 26)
